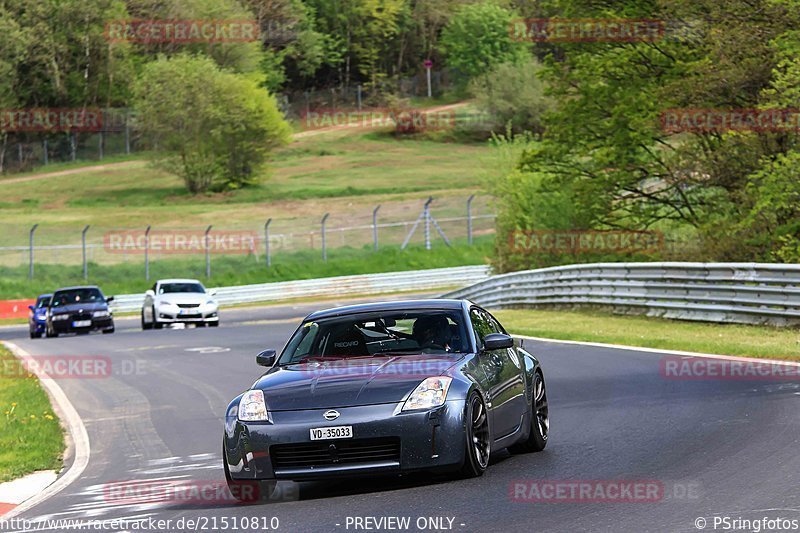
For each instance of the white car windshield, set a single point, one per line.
(166, 288)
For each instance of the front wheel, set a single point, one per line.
(248, 490)
(540, 420)
(146, 325)
(478, 439)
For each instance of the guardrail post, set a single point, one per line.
(127, 133)
(208, 255)
(266, 242)
(83, 249)
(30, 251)
(44, 147)
(324, 249)
(147, 254)
(375, 225)
(100, 143)
(469, 219)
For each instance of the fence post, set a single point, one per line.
(45, 151)
(83, 248)
(266, 242)
(73, 145)
(127, 133)
(324, 250)
(375, 225)
(30, 250)
(19, 153)
(359, 96)
(100, 145)
(147, 254)
(208, 256)
(469, 219)
(427, 215)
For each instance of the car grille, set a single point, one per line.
(81, 316)
(331, 453)
(188, 306)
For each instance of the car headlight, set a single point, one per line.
(100, 314)
(211, 302)
(41, 317)
(60, 317)
(165, 303)
(252, 407)
(432, 392)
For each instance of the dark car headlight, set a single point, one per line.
(100, 314)
(432, 392)
(56, 318)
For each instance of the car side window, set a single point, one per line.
(498, 328)
(481, 326)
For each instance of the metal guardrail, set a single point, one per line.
(752, 293)
(337, 286)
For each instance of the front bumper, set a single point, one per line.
(193, 315)
(98, 324)
(428, 440)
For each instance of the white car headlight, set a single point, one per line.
(165, 303)
(211, 302)
(432, 392)
(100, 314)
(252, 407)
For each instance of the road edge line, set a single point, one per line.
(78, 436)
(663, 351)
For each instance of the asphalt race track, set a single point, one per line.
(716, 448)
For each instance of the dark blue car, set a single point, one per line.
(37, 320)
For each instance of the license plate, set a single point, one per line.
(338, 432)
(81, 323)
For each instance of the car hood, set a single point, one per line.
(349, 382)
(94, 306)
(183, 298)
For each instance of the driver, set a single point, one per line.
(432, 332)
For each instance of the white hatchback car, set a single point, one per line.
(179, 301)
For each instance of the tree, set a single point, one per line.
(478, 37)
(210, 126)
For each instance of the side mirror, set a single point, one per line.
(109, 299)
(266, 358)
(32, 307)
(149, 292)
(212, 292)
(497, 341)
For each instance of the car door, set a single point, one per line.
(506, 386)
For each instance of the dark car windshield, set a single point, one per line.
(391, 332)
(43, 301)
(165, 288)
(78, 296)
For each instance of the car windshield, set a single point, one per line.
(166, 288)
(388, 333)
(43, 301)
(77, 296)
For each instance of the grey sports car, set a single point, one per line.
(386, 388)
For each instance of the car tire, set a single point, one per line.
(145, 325)
(35, 335)
(50, 334)
(156, 324)
(540, 420)
(477, 444)
(213, 324)
(108, 331)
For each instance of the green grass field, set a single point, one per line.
(31, 438)
(595, 326)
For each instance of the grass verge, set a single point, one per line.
(31, 438)
(597, 326)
